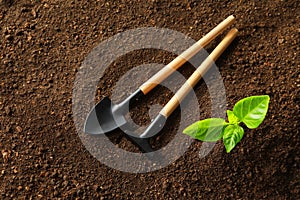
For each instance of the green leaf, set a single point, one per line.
(232, 118)
(232, 135)
(208, 130)
(252, 110)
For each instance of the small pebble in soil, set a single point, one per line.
(18, 129)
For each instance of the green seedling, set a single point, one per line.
(251, 111)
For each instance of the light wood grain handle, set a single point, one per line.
(199, 72)
(186, 55)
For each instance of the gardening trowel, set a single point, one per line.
(106, 116)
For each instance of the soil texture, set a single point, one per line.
(42, 46)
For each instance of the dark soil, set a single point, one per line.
(43, 44)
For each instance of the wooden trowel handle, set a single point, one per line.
(199, 72)
(186, 55)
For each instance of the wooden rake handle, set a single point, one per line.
(199, 72)
(186, 55)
